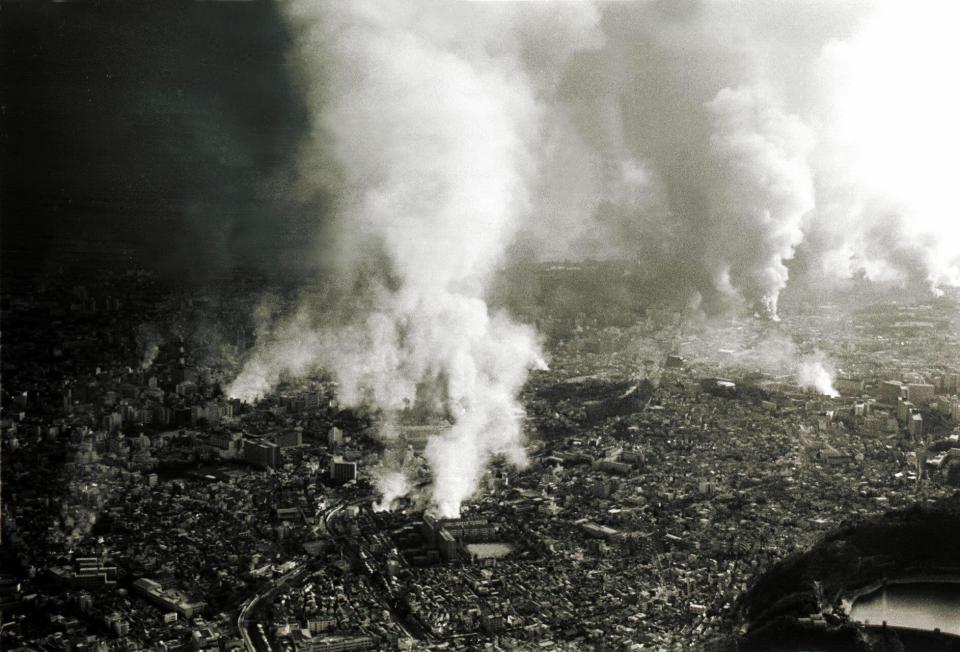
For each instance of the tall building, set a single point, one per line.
(264, 454)
(87, 573)
(117, 444)
(873, 424)
(951, 382)
(311, 401)
(447, 544)
(305, 401)
(167, 599)
(341, 471)
(920, 393)
(848, 386)
(290, 439)
(915, 426)
(112, 421)
(890, 391)
(334, 436)
(905, 409)
(163, 415)
(227, 443)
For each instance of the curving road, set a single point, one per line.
(244, 625)
(242, 620)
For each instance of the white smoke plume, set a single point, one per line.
(748, 345)
(149, 340)
(763, 190)
(431, 118)
(294, 348)
(392, 486)
(816, 374)
(727, 147)
(887, 107)
(730, 149)
(149, 355)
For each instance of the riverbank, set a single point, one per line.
(810, 595)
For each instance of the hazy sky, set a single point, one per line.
(159, 135)
(732, 148)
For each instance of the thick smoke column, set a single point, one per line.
(149, 355)
(430, 118)
(726, 147)
(393, 485)
(814, 373)
(762, 191)
(149, 340)
(887, 107)
(750, 345)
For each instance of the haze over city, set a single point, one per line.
(442, 325)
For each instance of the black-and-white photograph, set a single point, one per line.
(436, 325)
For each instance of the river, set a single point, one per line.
(918, 605)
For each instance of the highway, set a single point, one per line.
(243, 624)
(242, 620)
(258, 641)
(328, 522)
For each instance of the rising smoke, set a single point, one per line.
(730, 147)
(762, 190)
(816, 374)
(149, 340)
(774, 353)
(431, 121)
(721, 146)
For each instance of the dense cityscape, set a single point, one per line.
(667, 472)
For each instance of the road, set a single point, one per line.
(328, 522)
(243, 622)
(250, 605)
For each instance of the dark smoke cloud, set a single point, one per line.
(153, 136)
